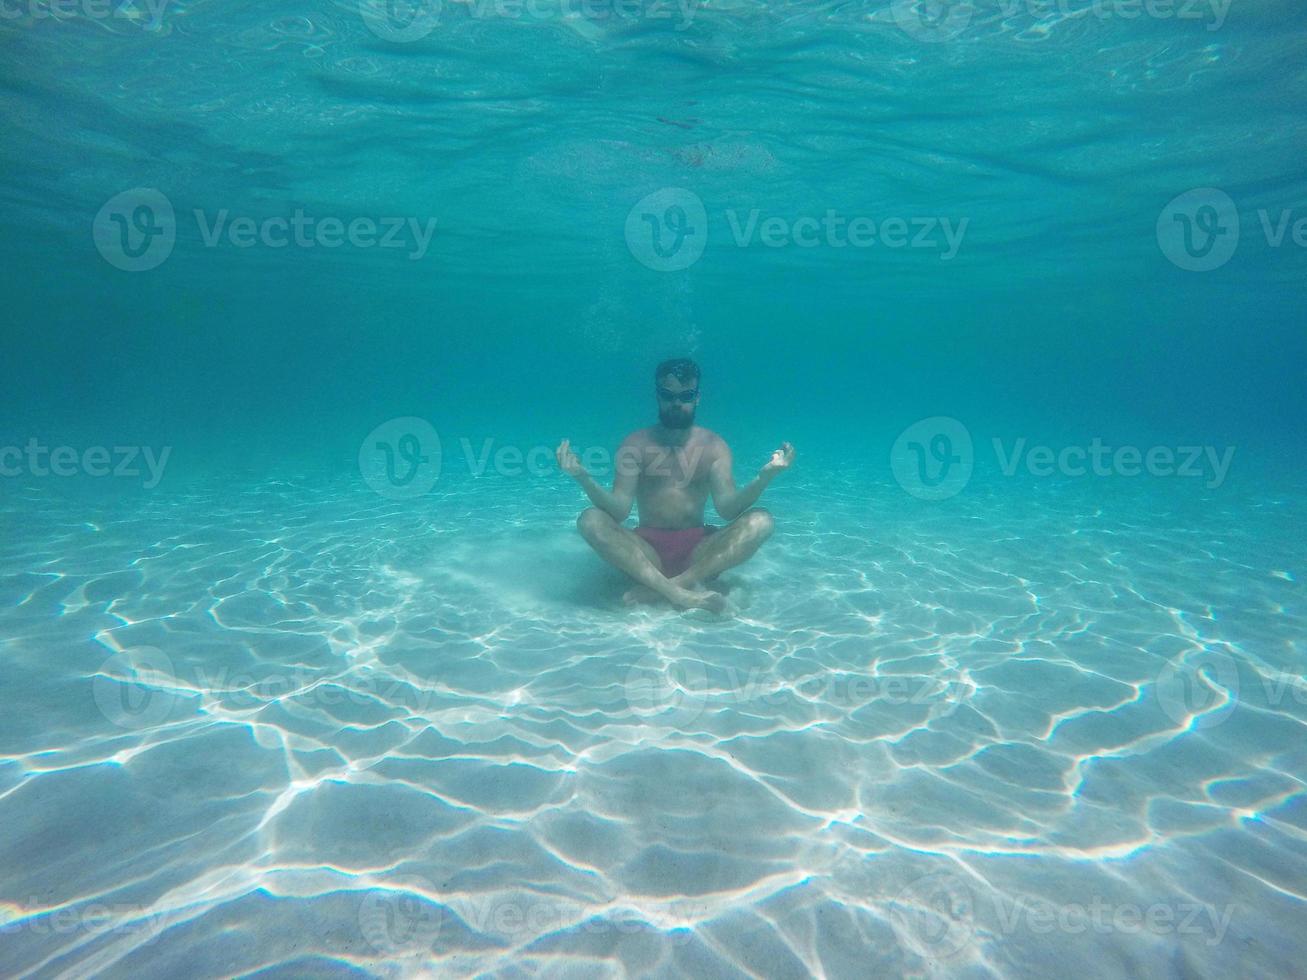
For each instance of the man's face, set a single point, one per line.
(677, 402)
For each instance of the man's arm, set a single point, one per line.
(616, 504)
(731, 502)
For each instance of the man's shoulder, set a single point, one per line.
(713, 441)
(641, 438)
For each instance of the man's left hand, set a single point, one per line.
(780, 460)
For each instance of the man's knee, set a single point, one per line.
(758, 521)
(591, 520)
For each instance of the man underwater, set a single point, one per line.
(669, 469)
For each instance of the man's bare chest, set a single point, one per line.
(674, 465)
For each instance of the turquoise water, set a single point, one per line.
(306, 669)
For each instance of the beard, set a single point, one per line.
(676, 418)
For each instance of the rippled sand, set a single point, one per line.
(305, 730)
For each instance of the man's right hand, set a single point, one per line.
(567, 461)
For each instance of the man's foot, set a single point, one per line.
(712, 601)
(682, 598)
(687, 581)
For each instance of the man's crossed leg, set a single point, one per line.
(728, 547)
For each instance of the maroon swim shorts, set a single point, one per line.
(675, 547)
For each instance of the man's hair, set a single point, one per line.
(682, 369)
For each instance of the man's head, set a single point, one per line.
(676, 384)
